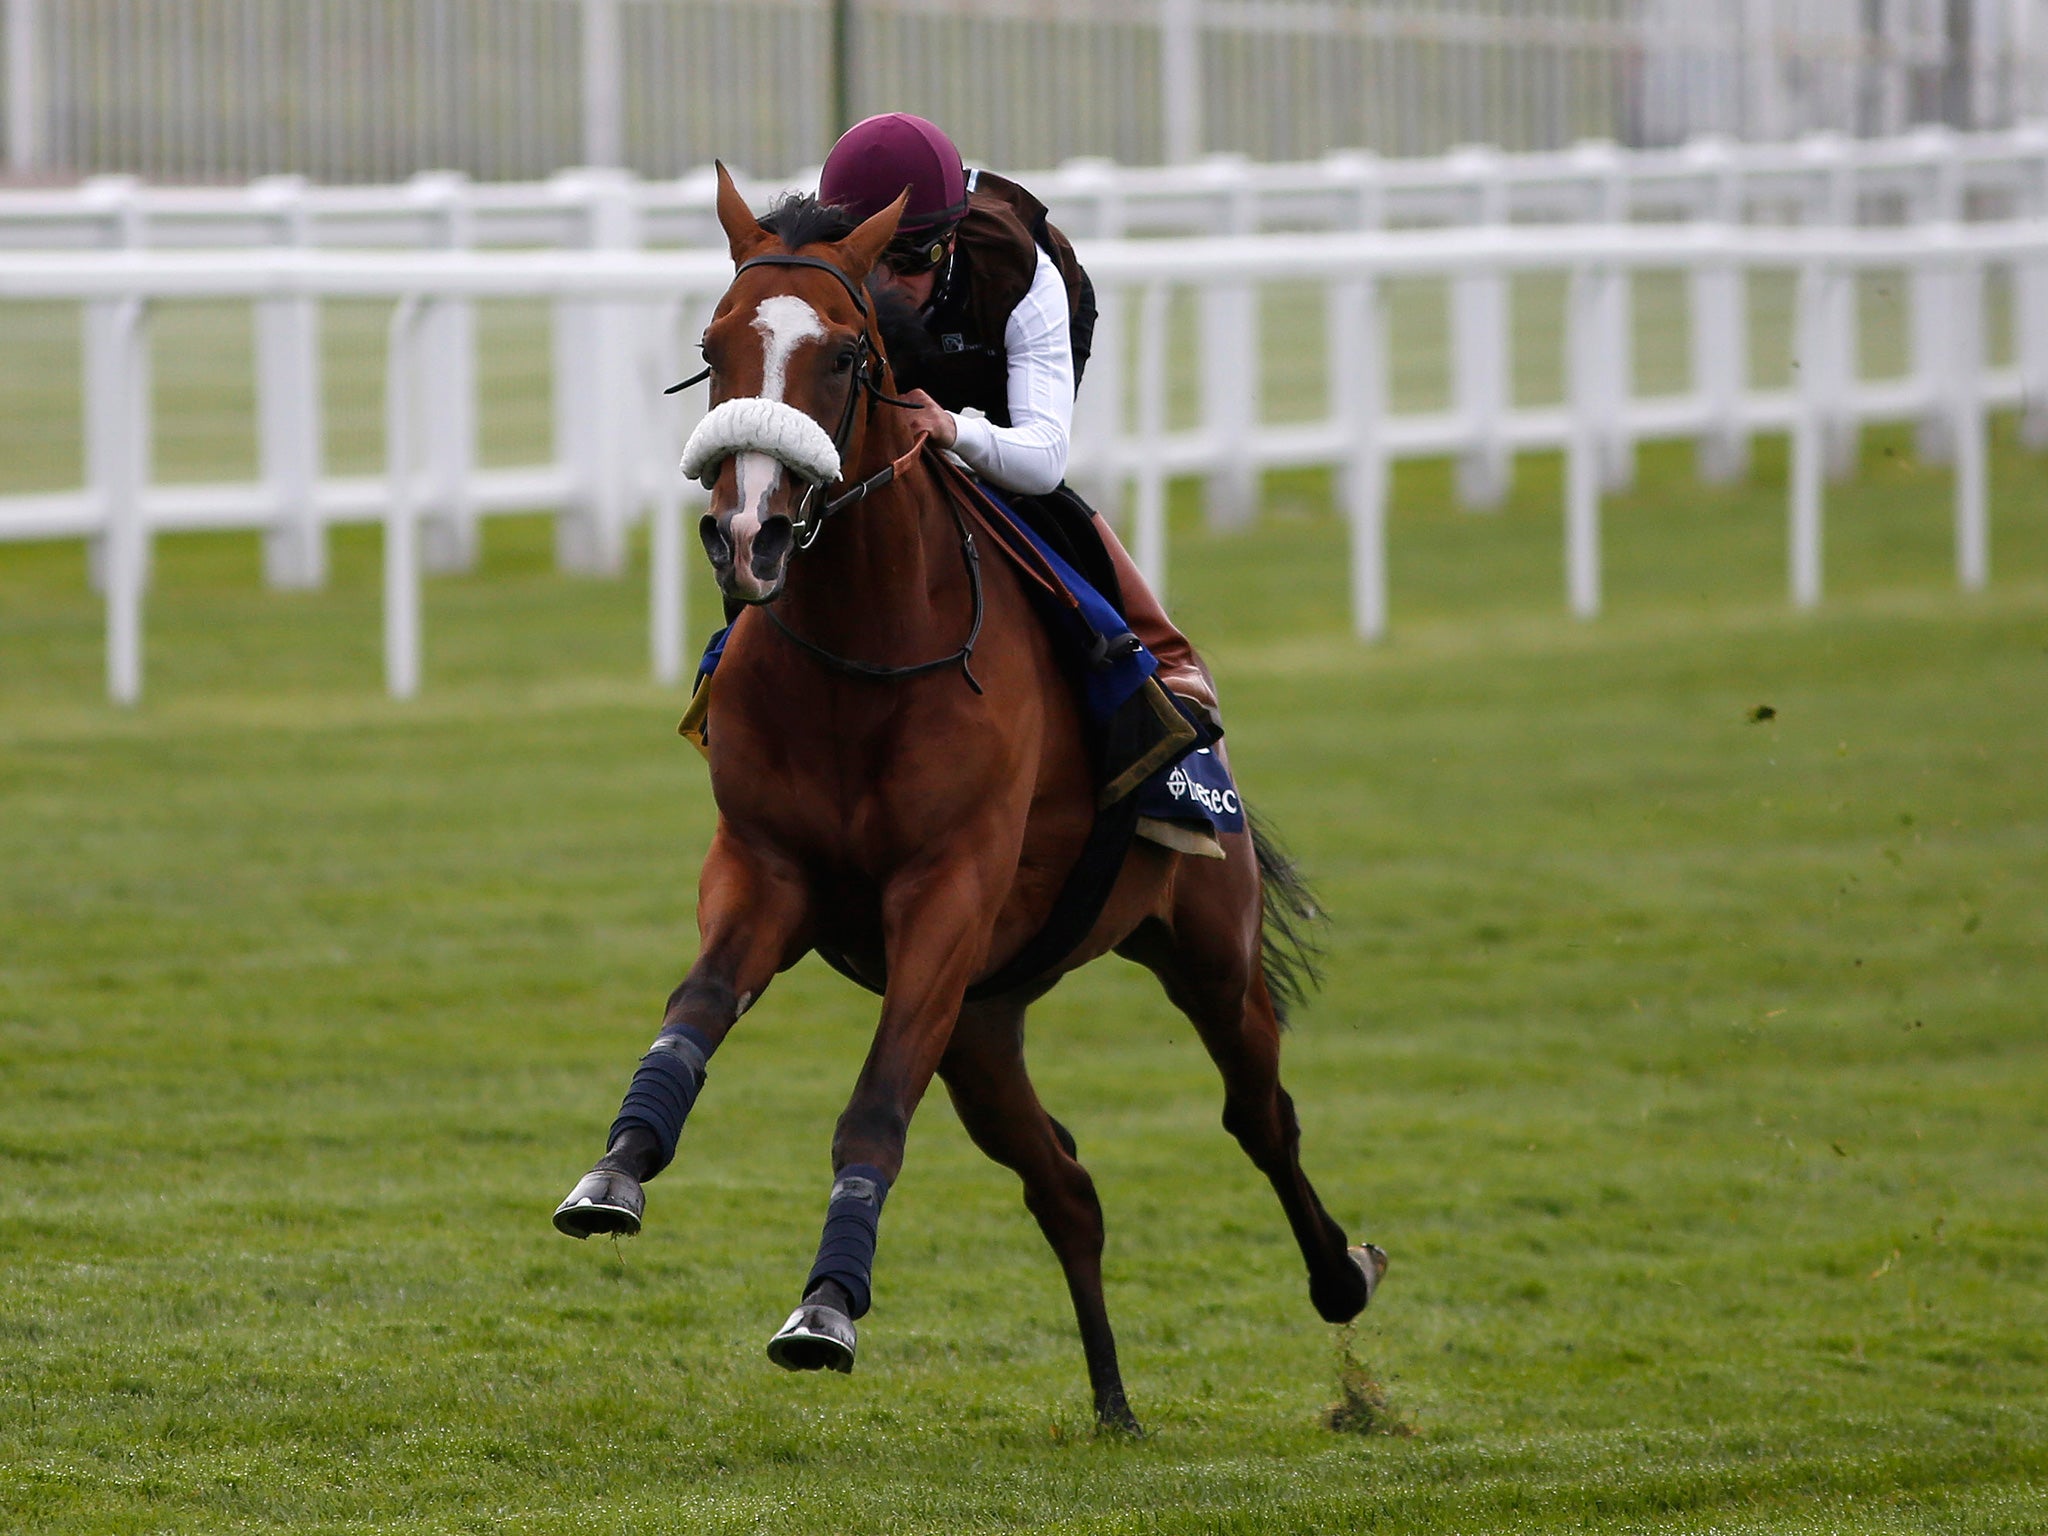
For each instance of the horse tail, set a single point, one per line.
(1290, 951)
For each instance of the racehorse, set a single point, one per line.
(903, 783)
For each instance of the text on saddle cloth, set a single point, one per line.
(1197, 790)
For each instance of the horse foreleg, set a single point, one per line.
(935, 934)
(751, 916)
(984, 1072)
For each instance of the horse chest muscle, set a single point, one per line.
(858, 776)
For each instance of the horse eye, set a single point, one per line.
(843, 361)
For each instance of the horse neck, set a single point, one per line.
(881, 580)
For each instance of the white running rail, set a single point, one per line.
(1932, 175)
(619, 455)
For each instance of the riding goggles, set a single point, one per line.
(909, 255)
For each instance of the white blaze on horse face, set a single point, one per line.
(785, 323)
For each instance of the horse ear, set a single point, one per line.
(743, 232)
(864, 247)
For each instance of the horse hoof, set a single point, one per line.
(1346, 1290)
(605, 1201)
(1117, 1419)
(816, 1338)
(1371, 1260)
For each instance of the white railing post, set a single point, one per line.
(1149, 546)
(25, 150)
(604, 83)
(1231, 362)
(118, 436)
(669, 421)
(1180, 79)
(667, 619)
(402, 597)
(1587, 355)
(594, 349)
(1481, 343)
(448, 530)
(1810, 322)
(1969, 429)
(1720, 325)
(288, 424)
(1357, 365)
(1831, 203)
(2030, 290)
(1357, 338)
(1614, 311)
(124, 415)
(1937, 199)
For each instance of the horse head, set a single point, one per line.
(792, 350)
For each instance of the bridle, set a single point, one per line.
(863, 381)
(808, 526)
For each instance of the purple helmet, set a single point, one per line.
(877, 158)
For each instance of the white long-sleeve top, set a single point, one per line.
(1029, 455)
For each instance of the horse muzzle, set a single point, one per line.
(759, 459)
(749, 552)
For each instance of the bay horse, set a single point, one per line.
(903, 781)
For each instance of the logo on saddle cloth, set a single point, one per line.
(1222, 801)
(1198, 789)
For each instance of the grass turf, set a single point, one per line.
(1689, 1066)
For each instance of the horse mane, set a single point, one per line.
(798, 219)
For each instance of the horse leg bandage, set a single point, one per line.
(846, 1254)
(664, 1088)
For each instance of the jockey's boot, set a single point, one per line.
(1181, 672)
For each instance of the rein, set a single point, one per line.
(963, 657)
(809, 526)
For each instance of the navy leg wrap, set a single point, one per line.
(666, 1086)
(847, 1252)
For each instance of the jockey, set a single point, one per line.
(1012, 315)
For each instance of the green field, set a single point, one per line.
(1691, 1068)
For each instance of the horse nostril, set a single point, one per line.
(716, 545)
(772, 545)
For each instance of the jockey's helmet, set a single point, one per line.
(876, 159)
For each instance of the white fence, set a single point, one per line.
(1931, 176)
(374, 90)
(632, 310)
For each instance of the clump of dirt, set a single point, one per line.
(1361, 1407)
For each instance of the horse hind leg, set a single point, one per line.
(983, 1071)
(1210, 959)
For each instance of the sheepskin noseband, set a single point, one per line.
(758, 425)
